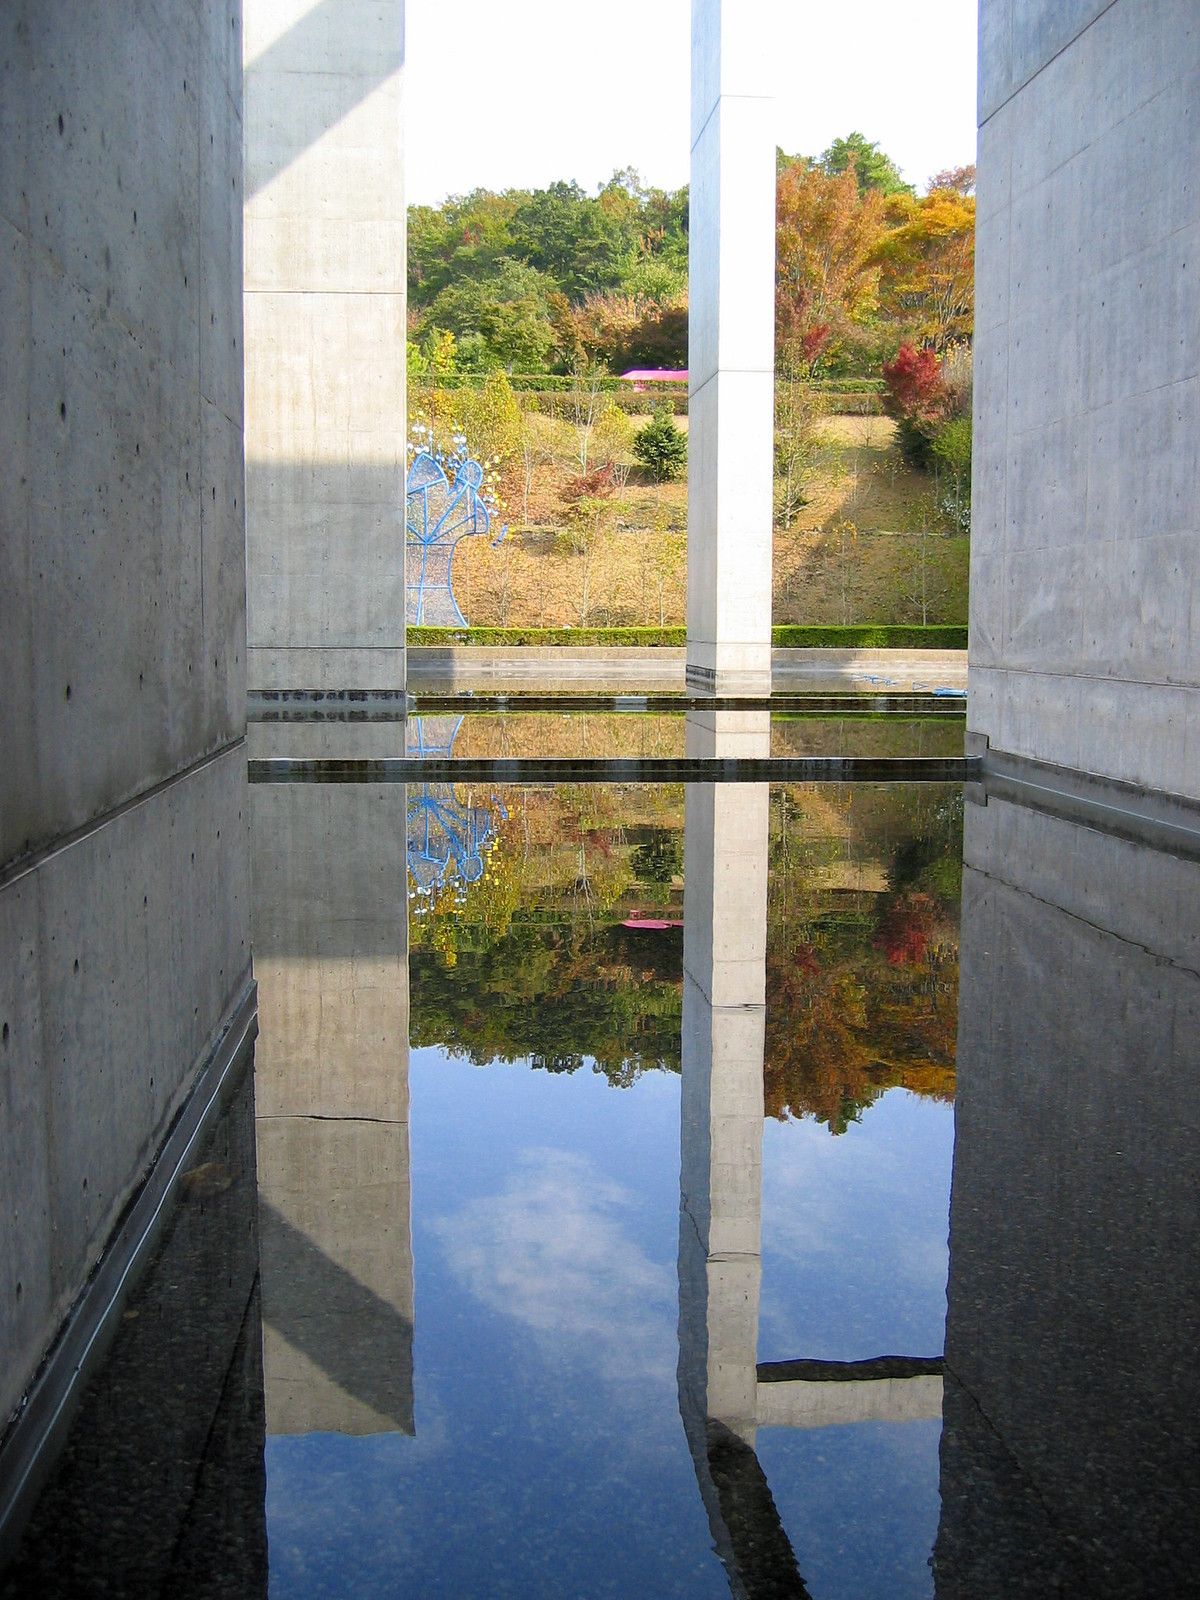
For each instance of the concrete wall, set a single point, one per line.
(163, 1488)
(1085, 563)
(331, 957)
(325, 343)
(731, 348)
(124, 921)
(1069, 1462)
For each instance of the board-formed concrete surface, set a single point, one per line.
(731, 348)
(325, 343)
(1085, 559)
(124, 908)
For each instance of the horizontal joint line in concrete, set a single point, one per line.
(1025, 82)
(748, 99)
(1083, 676)
(333, 294)
(720, 371)
(24, 865)
(327, 1116)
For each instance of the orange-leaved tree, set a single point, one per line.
(826, 275)
(927, 263)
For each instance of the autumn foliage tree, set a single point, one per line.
(916, 397)
(926, 262)
(826, 276)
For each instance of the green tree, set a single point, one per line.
(661, 446)
(501, 320)
(872, 168)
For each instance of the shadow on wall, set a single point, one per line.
(311, 50)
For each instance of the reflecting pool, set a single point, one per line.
(652, 1190)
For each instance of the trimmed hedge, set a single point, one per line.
(553, 402)
(881, 637)
(660, 638)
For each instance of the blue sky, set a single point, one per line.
(521, 93)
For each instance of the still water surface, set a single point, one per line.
(594, 1133)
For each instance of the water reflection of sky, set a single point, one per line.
(549, 1457)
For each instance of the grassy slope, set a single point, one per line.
(825, 570)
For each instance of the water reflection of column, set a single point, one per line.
(720, 1260)
(331, 956)
(724, 977)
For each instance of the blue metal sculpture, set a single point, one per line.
(447, 837)
(439, 511)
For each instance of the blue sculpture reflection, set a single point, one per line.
(446, 499)
(447, 837)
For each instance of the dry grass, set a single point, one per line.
(852, 554)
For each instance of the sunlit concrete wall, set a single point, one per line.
(731, 348)
(325, 343)
(1085, 561)
(331, 958)
(124, 910)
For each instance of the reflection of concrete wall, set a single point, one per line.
(162, 1490)
(1069, 1462)
(731, 348)
(325, 343)
(123, 920)
(1085, 573)
(331, 957)
(833, 1405)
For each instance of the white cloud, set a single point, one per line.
(551, 1251)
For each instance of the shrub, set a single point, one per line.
(951, 449)
(661, 447)
(917, 398)
(595, 484)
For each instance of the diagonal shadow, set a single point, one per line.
(328, 96)
(759, 1554)
(357, 1339)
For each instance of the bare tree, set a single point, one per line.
(585, 405)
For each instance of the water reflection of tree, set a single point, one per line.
(862, 982)
(533, 963)
(542, 994)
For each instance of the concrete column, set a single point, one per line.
(1085, 543)
(325, 344)
(731, 348)
(331, 957)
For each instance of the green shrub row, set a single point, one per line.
(789, 637)
(868, 636)
(645, 637)
(554, 402)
